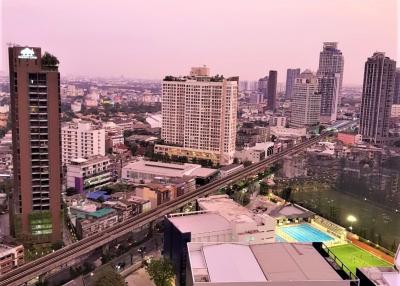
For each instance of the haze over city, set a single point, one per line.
(149, 39)
(195, 143)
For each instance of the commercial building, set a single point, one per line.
(95, 222)
(247, 226)
(330, 76)
(396, 98)
(349, 138)
(157, 194)
(268, 264)
(230, 169)
(147, 171)
(306, 101)
(279, 121)
(377, 98)
(199, 115)
(35, 209)
(249, 134)
(221, 220)
(81, 140)
(255, 153)
(291, 75)
(271, 94)
(88, 174)
(11, 256)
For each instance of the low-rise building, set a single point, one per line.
(95, 222)
(349, 138)
(255, 153)
(147, 171)
(230, 169)
(157, 194)
(11, 256)
(88, 174)
(267, 264)
(247, 226)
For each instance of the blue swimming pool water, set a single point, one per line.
(279, 239)
(305, 233)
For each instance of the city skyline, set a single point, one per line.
(213, 37)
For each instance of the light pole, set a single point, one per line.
(351, 219)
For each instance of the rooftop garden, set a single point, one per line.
(49, 61)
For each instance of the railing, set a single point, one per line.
(326, 252)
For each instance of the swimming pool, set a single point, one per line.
(279, 239)
(305, 233)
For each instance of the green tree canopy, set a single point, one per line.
(108, 277)
(161, 272)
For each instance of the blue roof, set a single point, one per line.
(95, 196)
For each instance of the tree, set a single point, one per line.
(247, 163)
(71, 191)
(108, 277)
(286, 193)
(161, 271)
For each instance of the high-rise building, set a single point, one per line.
(35, 206)
(330, 74)
(263, 88)
(396, 98)
(377, 98)
(81, 140)
(271, 93)
(306, 101)
(199, 117)
(291, 75)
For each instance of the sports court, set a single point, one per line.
(353, 257)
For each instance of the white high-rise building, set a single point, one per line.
(330, 74)
(199, 115)
(81, 140)
(306, 101)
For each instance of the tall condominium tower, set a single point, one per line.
(271, 93)
(306, 101)
(330, 74)
(291, 75)
(396, 99)
(377, 98)
(263, 88)
(199, 117)
(35, 207)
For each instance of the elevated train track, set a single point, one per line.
(61, 257)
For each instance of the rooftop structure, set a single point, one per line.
(261, 264)
(250, 227)
(148, 170)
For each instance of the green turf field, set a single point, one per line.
(353, 257)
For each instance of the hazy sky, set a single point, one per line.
(153, 38)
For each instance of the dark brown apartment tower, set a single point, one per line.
(271, 93)
(35, 203)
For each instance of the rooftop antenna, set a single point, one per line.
(10, 44)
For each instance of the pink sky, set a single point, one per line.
(153, 38)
